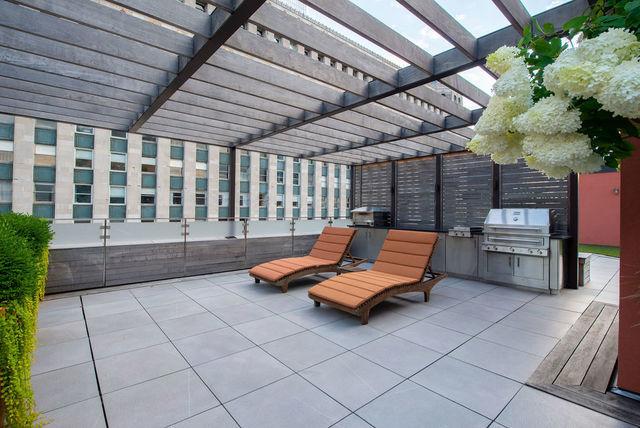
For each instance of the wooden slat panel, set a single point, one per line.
(523, 187)
(416, 193)
(466, 190)
(599, 373)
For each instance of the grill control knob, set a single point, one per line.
(512, 249)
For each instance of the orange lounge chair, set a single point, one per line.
(403, 265)
(326, 256)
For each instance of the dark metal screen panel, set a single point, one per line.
(522, 187)
(416, 194)
(375, 185)
(466, 189)
(357, 186)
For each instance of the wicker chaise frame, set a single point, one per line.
(362, 310)
(283, 282)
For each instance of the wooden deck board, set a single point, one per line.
(579, 369)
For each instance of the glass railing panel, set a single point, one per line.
(213, 229)
(310, 227)
(73, 235)
(342, 222)
(262, 228)
(136, 232)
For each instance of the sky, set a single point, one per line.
(480, 17)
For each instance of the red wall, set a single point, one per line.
(599, 208)
(629, 336)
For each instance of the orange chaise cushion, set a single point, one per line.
(333, 243)
(406, 253)
(277, 269)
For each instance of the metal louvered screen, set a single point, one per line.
(466, 189)
(522, 187)
(374, 185)
(416, 194)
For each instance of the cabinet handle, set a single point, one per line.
(509, 261)
(518, 259)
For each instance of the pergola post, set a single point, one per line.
(572, 242)
(394, 196)
(495, 177)
(438, 192)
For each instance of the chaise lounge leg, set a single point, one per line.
(284, 288)
(364, 317)
(316, 303)
(257, 280)
(426, 296)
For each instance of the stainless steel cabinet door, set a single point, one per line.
(529, 267)
(499, 263)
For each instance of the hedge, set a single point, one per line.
(24, 257)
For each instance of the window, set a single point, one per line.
(310, 202)
(148, 168)
(224, 172)
(296, 160)
(83, 193)
(280, 201)
(176, 198)
(223, 199)
(280, 177)
(296, 201)
(244, 173)
(5, 192)
(117, 195)
(244, 200)
(119, 134)
(45, 132)
(148, 199)
(44, 192)
(201, 199)
(84, 158)
(118, 162)
(177, 149)
(296, 178)
(84, 130)
(280, 157)
(323, 181)
(262, 199)
(264, 155)
(264, 175)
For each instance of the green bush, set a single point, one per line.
(24, 257)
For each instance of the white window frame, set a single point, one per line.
(245, 200)
(280, 176)
(124, 195)
(223, 199)
(174, 194)
(79, 150)
(6, 190)
(111, 161)
(36, 191)
(203, 196)
(75, 194)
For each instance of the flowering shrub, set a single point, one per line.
(562, 106)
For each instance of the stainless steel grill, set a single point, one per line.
(371, 216)
(517, 231)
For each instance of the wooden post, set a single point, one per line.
(572, 243)
(629, 335)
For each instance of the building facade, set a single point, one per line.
(63, 171)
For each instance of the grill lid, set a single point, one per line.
(518, 218)
(370, 210)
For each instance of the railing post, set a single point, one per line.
(184, 233)
(330, 221)
(104, 235)
(245, 232)
(293, 230)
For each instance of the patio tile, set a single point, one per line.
(537, 325)
(458, 322)
(212, 345)
(59, 304)
(551, 411)
(561, 302)
(475, 388)
(289, 403)
(497, 302)
(549, 313)
(311, 317)
(61, 333)
(508, 362)
(409, 405)
(203, 292)
(222, 301)
(432, 336)
(252, 291)
(609, 298)
(348, 332)
(86, 413)
(410, 308)
(122, 321)
(398, 355)
(352, 421)
(175, 310)
(302, 350)
(387, 320)
(57, 317)
(120, 341)
(193, 284)
(352, 380)
(267, 329)
(482, 312)
(282, 303)
(156, 288)
(170, 296)
(474, 286)
(217, 417)
(122, 370)
(112, 308)
(240, 373)
(239, 314)
(514, 293)
(104, 297)
(521, 340)
(59, 388)
(456, 293)
(159, 402)
(442, 301)
(53, 357)
(178, 328)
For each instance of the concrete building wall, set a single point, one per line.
(331, 179)
(343, 190)
(65, 155)
(23, 159)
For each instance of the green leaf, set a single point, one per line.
(549, 28)
(575, 23)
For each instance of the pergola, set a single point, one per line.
(184, 74)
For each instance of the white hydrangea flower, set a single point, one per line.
(504, 149)
(548, 170)
(592, 163)
(621, 94)
(573, 75)
(497, 118)
(551, 115)
(615, 44)
(514, 83)
(502, 59)
(556, 155)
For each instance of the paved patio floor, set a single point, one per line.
(221, 351)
